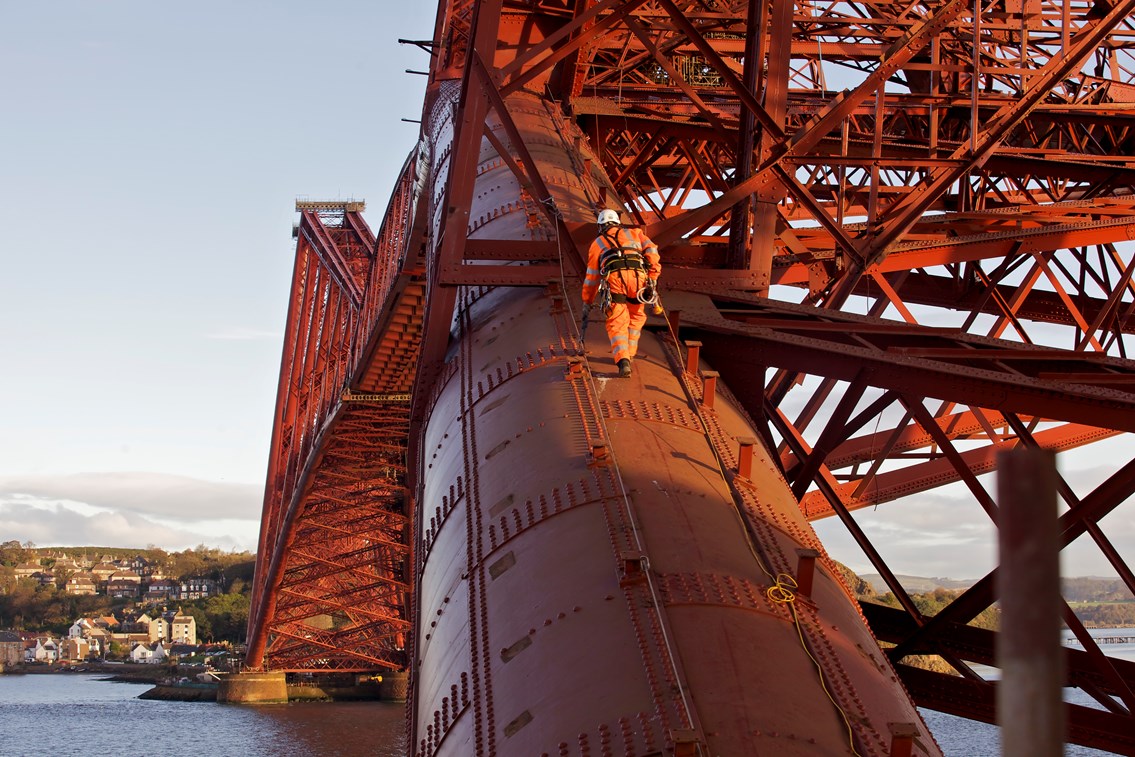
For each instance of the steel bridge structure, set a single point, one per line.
(901, 233)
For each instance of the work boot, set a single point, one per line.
(624, 368)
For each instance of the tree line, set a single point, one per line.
(1097, 602)
(28, 606)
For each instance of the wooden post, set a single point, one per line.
(1030, 708)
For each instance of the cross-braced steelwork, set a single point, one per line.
(333, 564)
(903, 233)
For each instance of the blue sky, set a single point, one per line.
(150, 158)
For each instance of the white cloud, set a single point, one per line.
(63, 526)
(129, 510)
(51, 505)
(946, 534)
(921, 536)
(155, 494)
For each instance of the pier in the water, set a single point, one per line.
(280, 688)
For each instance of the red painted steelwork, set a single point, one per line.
(901, 235)
(591, 533)
(592, 569)
(334, 558)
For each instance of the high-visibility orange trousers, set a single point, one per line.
(624, 326)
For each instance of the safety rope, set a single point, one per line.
(782, 590)
(656, 600)
(779, 592)
(783, 585)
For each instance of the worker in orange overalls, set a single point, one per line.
(622, 270)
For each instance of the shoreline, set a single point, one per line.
(164, 683)
(114, 672)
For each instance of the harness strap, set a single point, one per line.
(632, 262)
(619, 257)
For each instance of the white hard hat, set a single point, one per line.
(607, 216)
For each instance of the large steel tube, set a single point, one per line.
(593, 576)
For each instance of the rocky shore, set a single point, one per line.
(178, 683)
(182, 692)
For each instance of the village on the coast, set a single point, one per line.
(148, 626)
(172, 619)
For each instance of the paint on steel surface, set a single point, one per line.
(977, 173)
(591, 569)
(333, 563)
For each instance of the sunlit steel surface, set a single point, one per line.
(925, 208)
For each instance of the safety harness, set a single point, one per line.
(618, 257)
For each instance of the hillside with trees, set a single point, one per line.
(31, 604)
(1097, 602)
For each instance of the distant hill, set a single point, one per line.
(1081, 589)
(1094, 589)
(918, 584)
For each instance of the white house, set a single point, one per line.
(46, 650)
(148, 653)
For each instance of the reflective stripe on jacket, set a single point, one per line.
(615, 254)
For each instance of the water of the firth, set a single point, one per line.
(49, 715)
(65, 714)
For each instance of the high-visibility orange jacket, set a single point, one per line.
(626, 258)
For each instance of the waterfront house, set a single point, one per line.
(99, 639)
(76, 650)
(152, 654)
(46, 650)
(129, 640)
(183, 650)
(159, 629)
